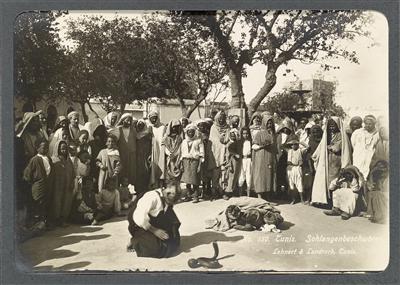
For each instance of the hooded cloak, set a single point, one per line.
(143, 157)
(328, 163)
(264, 159)
(61, 190)
(170, 153)
(254, 129)
(219, 137)
(107, 120)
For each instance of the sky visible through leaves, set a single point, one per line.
(362, 88)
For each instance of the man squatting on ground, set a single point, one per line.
(153, 224)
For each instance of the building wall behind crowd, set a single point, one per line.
(168, 109)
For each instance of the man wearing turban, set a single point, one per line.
(355, 124)
(364, 141)
(74, 126)
(158, 131)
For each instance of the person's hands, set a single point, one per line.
(161, 234)
(237, 156)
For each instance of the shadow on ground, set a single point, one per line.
(69, 266)
(122, 217)
(206, 237)
(285, 226)
(58, 238)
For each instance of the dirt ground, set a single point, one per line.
(309, 241)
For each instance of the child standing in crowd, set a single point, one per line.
(108, 201)
(294, 172)
(302, 133)
(170, 153)
(245, 172)
(96, 145)
(109, 162)
(233, 162)
(125, 196)
(284, 131)
(37, 174)
(208, 166)
(60, 134)
(73, 151)
(65, 135)
(82, 169)
(84, 142)
(63, 185)
(192, 155)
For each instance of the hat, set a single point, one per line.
(292, 140)
(191, 126)
(209, 121)
(124, 116)
(153, 114)
(371, 118)
(28, 116)
(72, 114)
(286, 123)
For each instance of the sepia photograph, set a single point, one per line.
(210, 141)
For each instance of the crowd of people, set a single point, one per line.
(88, 173)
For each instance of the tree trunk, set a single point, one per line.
(182, 104)
(270, 81)
(235, 68)
(235, 79)
(122, 107)
(238, 101)
(200, 97)
(84, 114)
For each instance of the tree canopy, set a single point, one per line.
(182, 62)
(181, 55)
(109, 58)
(275, 37)
(39, 57)
(122, 60)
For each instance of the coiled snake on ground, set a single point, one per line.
(206, 262)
